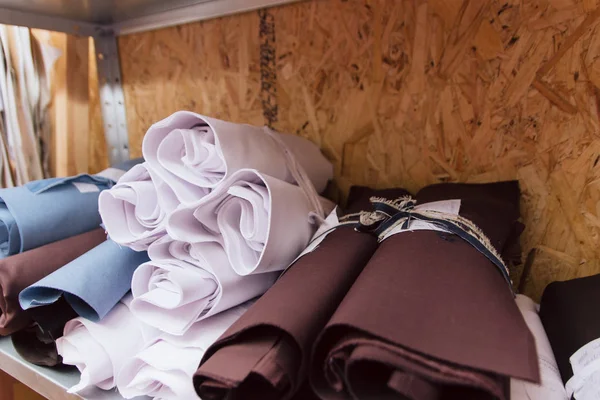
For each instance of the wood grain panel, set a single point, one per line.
(11, 389)
(70, 107)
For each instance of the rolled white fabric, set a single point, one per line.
(263, 223)
(184, 284)
(194, 153)
(99, 350)
(134, 210)
(163, 369)
(551, 386)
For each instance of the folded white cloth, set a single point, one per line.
(99, 349)
(184, 284)
(262, 222)
(194, 153)
(134, 210)
(164, 368)
(551, 386)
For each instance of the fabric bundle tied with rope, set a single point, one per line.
(447, 334)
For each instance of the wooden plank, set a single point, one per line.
(22, 392)
(6, 386)
(70, 105)
(97, 148)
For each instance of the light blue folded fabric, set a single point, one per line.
(92, 284)
(44, 211)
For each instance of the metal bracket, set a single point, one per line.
(112, 101)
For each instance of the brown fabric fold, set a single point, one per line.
(383, 371)
(430, 316)
(22, 270)
(264, 355)
(305, 392)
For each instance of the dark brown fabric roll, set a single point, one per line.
(430, 317)
(305, 392)
(264, 355)
(37, 343)
(569, 313)
(22, 270)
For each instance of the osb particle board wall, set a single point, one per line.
(410, 93)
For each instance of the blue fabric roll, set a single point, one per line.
(92, 284)
(44, 211)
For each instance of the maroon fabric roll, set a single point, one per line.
(22, 270)
(430, 317)
(264, 355)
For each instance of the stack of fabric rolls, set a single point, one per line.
(221, 209)
(429, 313)
(55, 261)
(226, 275)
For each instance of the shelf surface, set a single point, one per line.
(49, 382)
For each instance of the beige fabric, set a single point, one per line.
(24, 92)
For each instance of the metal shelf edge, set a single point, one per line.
(182, 15)
(192, 13)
